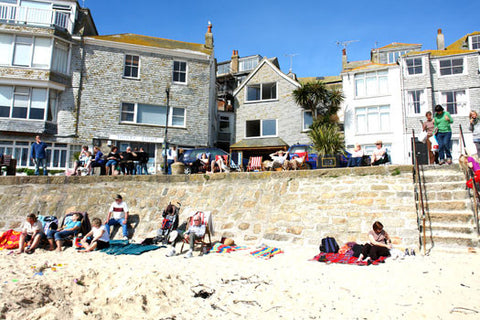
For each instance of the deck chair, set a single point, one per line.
(301, 159)
(224, 158)
(234, 166)
(254, 164)
(206, 219)
(85, 227)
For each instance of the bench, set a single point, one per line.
(10, 164)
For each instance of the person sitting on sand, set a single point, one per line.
(100, 238)
(32, 233)
(196, 231)
(70, 228)
(379, 244)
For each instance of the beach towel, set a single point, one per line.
(221, 248)
(343, 259)
(118, 247)
(10, 239)
(266, 252)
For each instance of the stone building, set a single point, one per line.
(266, 116)
(124, 92)
(373, 104)
(61, 80)
(37, 47)
(229, 76)
(448, 76)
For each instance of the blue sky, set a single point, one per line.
(309, 29)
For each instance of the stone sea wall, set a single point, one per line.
(299, 207)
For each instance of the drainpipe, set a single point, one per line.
(80, 85)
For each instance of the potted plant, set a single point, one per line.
(328, 142)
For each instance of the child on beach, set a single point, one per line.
(466, 162)
(100, 238)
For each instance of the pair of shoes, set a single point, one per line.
(171, 253)
(449, 161)
(189, 255)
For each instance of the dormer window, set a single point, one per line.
(393, 56)
(474, 42)
(451, 66)
(414, 66)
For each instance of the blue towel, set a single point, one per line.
(118, 247)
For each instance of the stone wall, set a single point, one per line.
(299, 207)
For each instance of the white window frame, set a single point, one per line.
(53, 60)
(471, 42)
(13, 146)
(422, 64)
(364, 75)
(261, 92)
(261, 129)
(125, 65)
(464, 66)
(411, 102)
(303, 120)
(170, 116)
(461, 106)
(394, 53)
(29, 103)
(32, 52)
(186, 72)
(383, 128)
(250, 62)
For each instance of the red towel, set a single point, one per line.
(10, 239)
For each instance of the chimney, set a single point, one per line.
(234, 62)
(344, 58)
(375, 57)
(440, 40)
(209, 37)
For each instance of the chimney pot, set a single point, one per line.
(344, 51)
(439, 31)
(440, 40)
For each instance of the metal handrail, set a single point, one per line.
(470, 175)
(416, 171)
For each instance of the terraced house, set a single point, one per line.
(38, 40)
(60, 79)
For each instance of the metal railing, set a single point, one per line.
(35, 16)
(469, 174)
(419, 194)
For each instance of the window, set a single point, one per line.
(307, 120)
(414, 66)
(25, 51)
(179, 72)
(371, 84)
(20, 150)
(131, 66)
(151, 114)
(455, 102)
(248, 64)
(451, 66)
(261, 128)
(25, 103)
(60, 57)
(223, 68)
(416, 102)
(372, 119)
(263, 91)
(475, 42)
(224, 129)
(393, 56)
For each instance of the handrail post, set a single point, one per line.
(417, 169)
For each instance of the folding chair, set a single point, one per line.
(254, 164)
(301, 159)
(85, 227)
(205, 219)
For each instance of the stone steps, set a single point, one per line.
(449, 225)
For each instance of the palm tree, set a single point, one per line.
(326, 139)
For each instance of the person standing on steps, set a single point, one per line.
(442, 121)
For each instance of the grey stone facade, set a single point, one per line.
(288, 114)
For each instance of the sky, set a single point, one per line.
(310, 30)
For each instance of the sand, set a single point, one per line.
(236, 286)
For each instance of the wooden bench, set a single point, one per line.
(10, 164)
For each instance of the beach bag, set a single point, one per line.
(49, 223)
(422, 137)
(434, 143)
(329, 245)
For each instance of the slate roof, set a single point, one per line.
(259, 143)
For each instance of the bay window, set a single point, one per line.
(18, 102)
(60, 57)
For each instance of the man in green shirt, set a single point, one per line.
(442, 121)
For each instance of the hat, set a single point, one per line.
(118, 197)
(229, 242)
(379, 142)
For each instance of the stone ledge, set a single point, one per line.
(205, 178)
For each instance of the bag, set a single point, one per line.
(422, 137)
(434, 142)
(50, 223)
(329, 245)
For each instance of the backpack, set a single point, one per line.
(49, 223)
(329, 245)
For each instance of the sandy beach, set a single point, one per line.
(235, 286)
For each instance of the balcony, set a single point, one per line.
(36, 17)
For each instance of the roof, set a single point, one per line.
(372, 65)
(148, 41)
(272, 63)
(440, 53)
(259, 143)
(395, 45)
(355, 64)
(461, 44)
(326, 79)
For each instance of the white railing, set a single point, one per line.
(35, 16)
